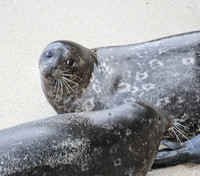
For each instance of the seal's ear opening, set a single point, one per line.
(73, 49)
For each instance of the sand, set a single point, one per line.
(27, 26)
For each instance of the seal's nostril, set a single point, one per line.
(53, 68)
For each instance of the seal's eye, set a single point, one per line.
(70, 61)
(49, 54)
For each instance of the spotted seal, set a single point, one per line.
(165, 71)
(113, 142)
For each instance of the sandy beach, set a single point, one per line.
(27, 26)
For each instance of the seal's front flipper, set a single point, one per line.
(172, 145)
(169, 158)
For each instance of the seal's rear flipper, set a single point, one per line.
(189, 152)
(169, 158)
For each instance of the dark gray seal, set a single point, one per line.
(165, 71)
(115, 142)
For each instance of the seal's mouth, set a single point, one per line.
(62, 82)
(51, 72)
(57, 74)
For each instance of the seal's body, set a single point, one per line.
(166, 72)
(114, 142)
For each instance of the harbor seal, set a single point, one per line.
(114, 142)
(165, 71)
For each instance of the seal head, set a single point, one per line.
(65, 69)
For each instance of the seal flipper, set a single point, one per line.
(170, 158)
(189, 153)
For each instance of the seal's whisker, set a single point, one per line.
(67, 71)
(60, 93)
(69, 86)
(60, 86)
(179, 131)
(66, 86)
(56, 85)
(179, 124)
(58, 89)
(178, 139)
(61, 83)
(71, 75)
(147, 99)
(151, 100)
(65, 82)
(70, 81)
(68, 74)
